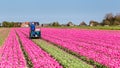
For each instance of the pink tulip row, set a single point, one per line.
(100, 45)
(11, 55)
(38, 57)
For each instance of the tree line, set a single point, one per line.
(109, 20)
(11, 24)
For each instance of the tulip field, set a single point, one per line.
(12, 56)
(66, 49)
(99, 45)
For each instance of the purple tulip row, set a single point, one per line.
(38, 57)
(11, 55)
(100, 45)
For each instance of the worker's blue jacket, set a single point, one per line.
(32, 27)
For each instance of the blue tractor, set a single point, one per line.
(34, 33)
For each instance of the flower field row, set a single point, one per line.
(38, 57)
(11, 55)
(99, 45)
(3, 34)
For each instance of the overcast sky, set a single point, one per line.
(63, 11)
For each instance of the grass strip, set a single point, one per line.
(3, 35)
(89, 27)
(65, 59)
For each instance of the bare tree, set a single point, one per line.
(109, 16)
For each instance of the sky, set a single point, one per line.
(62, 11)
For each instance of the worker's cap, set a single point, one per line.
(32, 22)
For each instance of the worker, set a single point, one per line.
(32, 28)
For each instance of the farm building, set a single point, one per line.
(25, 24)
(83, 24)
(93, 23)
(70, 24)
